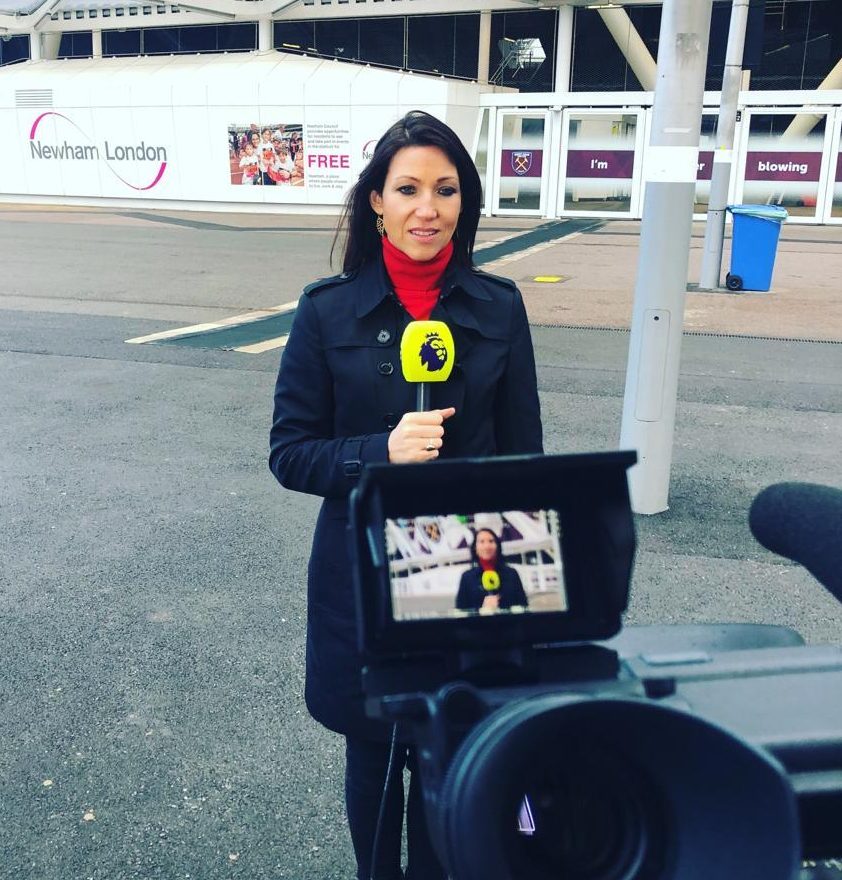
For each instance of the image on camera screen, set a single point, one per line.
(462, 565)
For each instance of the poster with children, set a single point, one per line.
(266, 154)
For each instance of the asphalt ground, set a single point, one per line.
(152, 599)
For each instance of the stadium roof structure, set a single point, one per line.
(46, 16)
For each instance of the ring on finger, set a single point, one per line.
(430, 445)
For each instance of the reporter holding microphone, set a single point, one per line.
(341, 402)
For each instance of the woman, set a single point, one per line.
(478, 591)
(341, 402)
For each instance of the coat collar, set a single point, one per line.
(373, 285)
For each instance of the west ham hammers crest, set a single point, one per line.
(521, 161)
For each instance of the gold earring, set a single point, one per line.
(381, 229)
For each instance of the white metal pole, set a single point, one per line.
(265, 35)
(492, 167)
(660, 291)
(564, 49)
(35, 45)
(96, 44)
(724, 148)
(50, 44)
(484, 49)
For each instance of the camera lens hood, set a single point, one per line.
(619, 789)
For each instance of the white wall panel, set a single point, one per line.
(158, 128)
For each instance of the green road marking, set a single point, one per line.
(237, 335)
(542, 233)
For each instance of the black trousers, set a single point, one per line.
(366, 763)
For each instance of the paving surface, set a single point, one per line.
(152, 581)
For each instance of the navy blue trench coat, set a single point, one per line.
(340, 392)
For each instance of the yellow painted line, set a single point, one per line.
(266, 345)
(548, 279)
(234, 320)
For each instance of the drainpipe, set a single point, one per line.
(723, 152)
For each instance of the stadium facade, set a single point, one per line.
(127, 101)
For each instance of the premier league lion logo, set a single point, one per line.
(433, 352)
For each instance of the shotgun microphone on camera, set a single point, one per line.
(802, 522)
(427, 354)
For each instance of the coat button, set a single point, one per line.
(385, 368)
(384, 336)
(390, 420)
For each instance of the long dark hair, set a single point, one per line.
(498, 561)
(416, 129)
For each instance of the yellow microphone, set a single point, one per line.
(490, 581)
(427, 354)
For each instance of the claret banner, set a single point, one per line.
(780, 165)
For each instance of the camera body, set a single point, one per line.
(550, 745)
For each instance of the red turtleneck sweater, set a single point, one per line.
(416, 283)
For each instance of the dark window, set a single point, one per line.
(824, 43)
(720, 21)
(646, 20)
(295, 36)
(76, 44)
(785, 28)
(201, 38)
(161, 40)
(525, 37)
(338, 38)
(121, 42)
(14, 48)
(467, 44)
(238, 37)
(598, 63)
(431, 43)
(790, 45)
(381, 41)
(241, 36)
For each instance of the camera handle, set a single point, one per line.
(536, 664)
(401, 691)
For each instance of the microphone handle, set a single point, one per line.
(422, 397)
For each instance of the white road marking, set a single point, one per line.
(233, 321)
(266, 345)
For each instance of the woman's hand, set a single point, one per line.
(418, 436)
(491, 602)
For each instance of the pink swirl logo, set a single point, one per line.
(368, 149)
(90, 151)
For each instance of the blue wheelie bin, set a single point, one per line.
(753, 246)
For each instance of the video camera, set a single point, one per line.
(549, 746)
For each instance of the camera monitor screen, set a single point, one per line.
(490, 554)
(477, 564)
